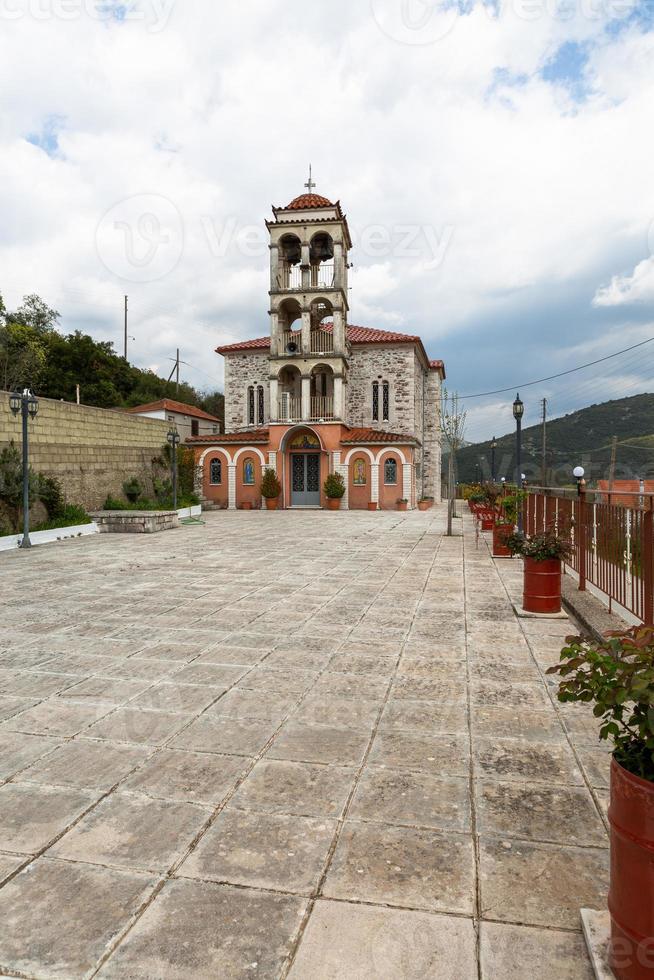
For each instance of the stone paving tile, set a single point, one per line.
(58, 918)
(32, 815)
(527, 761)
(431, 754)
(17, 751)
(26, 684)
(384, 944)
(225, 735)
(180, 698)
(412, 798)
(10, 707)
(103, 690)
(300, 742)
(565, 815)
(264, 850)
(402, 866)
(295, 788)
(243, 703)
(138, 725)
(424, 716)
(194, 777)
(211, 675)
(520, 723)
(56, 717)
(134, 832)
(201, 929)
(512, 952)
(541, 884)
(341, 712)
(85, 765)
(342, 685)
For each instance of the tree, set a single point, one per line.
(453, 423)
(22, 357)
(35, 312)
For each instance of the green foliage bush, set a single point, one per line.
(334, 486)
(270, 485)
(617, 677)
(69, 516)
(541, 547)
(132, 489)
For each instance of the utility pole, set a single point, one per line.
(614, 451)
(125, 345)
(177, 374)
(543, 464)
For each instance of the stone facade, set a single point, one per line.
(91, 451)
(241, 371)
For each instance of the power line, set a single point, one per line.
(561, 374)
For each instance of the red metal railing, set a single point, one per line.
(612, 538)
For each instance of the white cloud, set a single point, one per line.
(220, 112)
(636, 288)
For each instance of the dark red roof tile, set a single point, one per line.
(306, 201)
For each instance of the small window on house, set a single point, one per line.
(375, 401)
(260, 405)
(385, 400)
(195, 427)
(251, 405)
(171, 418)
(248, 472)
(359, 476)
(215, 472)
(390, 471)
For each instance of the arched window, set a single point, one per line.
(381, 397)
(359, 473)
(215, 472)
(248, 471)
(260, 405)
(390, 471)
(251, 405)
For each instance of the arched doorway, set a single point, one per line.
(303, 452)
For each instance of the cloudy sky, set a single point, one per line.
(494, 160)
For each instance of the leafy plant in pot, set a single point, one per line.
(425, 503)
(270, 488)
(505, 518)
(616, 675)
(334, 488)
(542, 554)
(402, 503)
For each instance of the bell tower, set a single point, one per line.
(309, 246)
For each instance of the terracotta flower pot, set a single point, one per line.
(372, 505)
(402, 506)
(500, 533)
(246, 506)
(425, 504)
(271, 503)
(542, 586)
(333, 503)
(631, 894)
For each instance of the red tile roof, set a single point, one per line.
(305, 201)
(245, 435)
(356, 335)
(374, 435)
(168, 405)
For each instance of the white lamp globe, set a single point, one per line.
(578, 472)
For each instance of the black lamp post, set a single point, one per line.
(174, 440)
(493, 447)
(518, 412)
(27, 405)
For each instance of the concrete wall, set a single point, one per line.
(91, 451)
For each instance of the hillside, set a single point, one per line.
(581, 438)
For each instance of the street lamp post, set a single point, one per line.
(493, 447)
(27, 405)
(174, 441)
(518, 412)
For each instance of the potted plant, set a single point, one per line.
(425, 503)
(616, 675)
(504, 526)
(372, 505)
(270, 488)
(402, 503)
(542, 554)
(246, 505)
(334, 488)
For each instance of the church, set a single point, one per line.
(318, 394)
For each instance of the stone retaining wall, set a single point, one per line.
(135, 521)
(92, 451)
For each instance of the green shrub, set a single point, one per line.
(69, 516)
(51, 494)
(543, 546)
(270, 485)
(334, 486)
(617, 674)
(132, 489)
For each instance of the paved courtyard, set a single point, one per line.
(312, 745)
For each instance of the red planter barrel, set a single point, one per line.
(500, 533)
(631, 895)
(542, 586)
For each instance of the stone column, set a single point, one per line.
(306, 331)
(274, 398)
(343, 469)
(339, 412)
(374, 482)
(407, 469)
(274, 333)
(339, 332)
(231, 486)
(306, 397)
(339, 267)
(274, 266)
(305, 263)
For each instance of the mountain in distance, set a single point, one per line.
(582, 438)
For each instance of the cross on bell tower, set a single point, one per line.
(310, 184)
